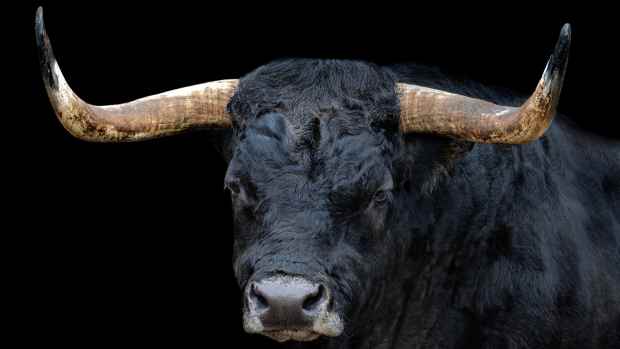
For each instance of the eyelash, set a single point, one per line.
(239, 193)
(381, 196)
(233, 187)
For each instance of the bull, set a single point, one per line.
(389, 207)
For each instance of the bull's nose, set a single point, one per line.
(287, 303)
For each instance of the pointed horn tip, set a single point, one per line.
(46, 54)
(564, 39)
(40, 32)
(556, 66)
(562, 47)
(565, 33)
(39, 26)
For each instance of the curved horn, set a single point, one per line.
(426, 110)
(199, 106)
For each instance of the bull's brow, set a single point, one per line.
(360, 178)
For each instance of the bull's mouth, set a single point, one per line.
(328, 324)
(296, 335)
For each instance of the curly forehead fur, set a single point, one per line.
(303, 89)
(314, 109)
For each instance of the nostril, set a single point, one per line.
(259, 300)
(313, 300)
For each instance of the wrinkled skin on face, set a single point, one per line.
(314, 184)
(319, 218)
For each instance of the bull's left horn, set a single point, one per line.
(196, 107)
(426, 110)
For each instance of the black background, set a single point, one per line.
(131, 243)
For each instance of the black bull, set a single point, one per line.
(351, 234)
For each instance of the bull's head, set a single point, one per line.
(315, 172)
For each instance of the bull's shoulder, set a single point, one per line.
(543, 241)
(538, 289)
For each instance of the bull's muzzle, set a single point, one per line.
(290, 308)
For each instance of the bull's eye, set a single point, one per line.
(234, 187)
(241, 192)
(381, 196)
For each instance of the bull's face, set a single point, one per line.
(312, 215)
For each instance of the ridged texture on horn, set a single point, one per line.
(426, 110)
(196, 107)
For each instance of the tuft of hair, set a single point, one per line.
(303, 89)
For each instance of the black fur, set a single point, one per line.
(426, 242)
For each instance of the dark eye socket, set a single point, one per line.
(381, 196)
(242, 192)
(234, 187)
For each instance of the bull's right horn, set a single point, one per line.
(196, 107)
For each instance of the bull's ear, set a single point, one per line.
(454, 151)
(432, 160)
(443, 166)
